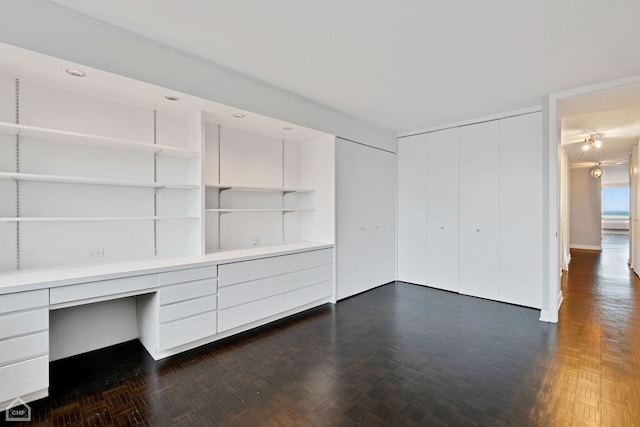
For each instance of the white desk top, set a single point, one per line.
(31, 279)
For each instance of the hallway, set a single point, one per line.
(597, 363)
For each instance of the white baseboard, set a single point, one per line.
(588, 247)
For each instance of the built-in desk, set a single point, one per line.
(181, 303)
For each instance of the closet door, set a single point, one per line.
(412, 209)
(520, 210)
(381, 169)
(352, 219)
(479, 210)
(366, 218)
(442, 209)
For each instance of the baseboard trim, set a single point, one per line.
(586, 247)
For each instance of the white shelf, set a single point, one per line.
(91, 218)
(260, 188)
(91, 140)
(257, 210)
(91, 181)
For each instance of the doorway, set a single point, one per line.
(594, 130)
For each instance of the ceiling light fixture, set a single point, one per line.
(593, 141)
(238, 115)
(597, 171)
(75, 73)
(171, 97)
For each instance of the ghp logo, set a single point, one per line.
(18, 411)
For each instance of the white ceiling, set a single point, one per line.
(401, 65)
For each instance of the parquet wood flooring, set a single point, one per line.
(398, 355)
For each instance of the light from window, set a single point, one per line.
(615, 201)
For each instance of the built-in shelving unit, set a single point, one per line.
(112, 164)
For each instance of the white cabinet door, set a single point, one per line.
(520, 210)
(412, 209)
(382, 206)
(479, 210)
(352, 219)
(365, 219)
(442, 209)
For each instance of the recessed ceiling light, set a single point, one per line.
(76, 73)
(238, 115)
(287, 128)
(171, 97)
(619, 163)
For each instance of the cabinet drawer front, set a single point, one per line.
(310, 294)
(187, 291)
(264, 288)
(188, 275)
(12, 325)
(244, 271)
(103, 288)
(187, 330)
(183, 309)
(23, 300)
(22, 378)
(25, 347)
(309, 259)
(250, 312)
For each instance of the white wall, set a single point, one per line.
(585, 210)
(57, 33)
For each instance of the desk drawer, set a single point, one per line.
(188, 275)
(103, 288)
(187, 330)
(24, 300)
(186, 291)
(24, 347)
(12, 325)
(188, 308)
(22, 378)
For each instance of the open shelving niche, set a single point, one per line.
(53, 180)
(241, 211)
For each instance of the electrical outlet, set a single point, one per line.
(254, 240)
(95, 253)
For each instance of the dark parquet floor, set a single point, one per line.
(399, 355)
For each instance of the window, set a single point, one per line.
(615, 201)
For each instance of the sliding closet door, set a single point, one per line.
(442, 209)
(479, 210)
(520, 210)
(412, 209)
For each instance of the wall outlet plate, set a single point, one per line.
(95, 253)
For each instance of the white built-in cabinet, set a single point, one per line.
(470, 209)
(365, 217)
